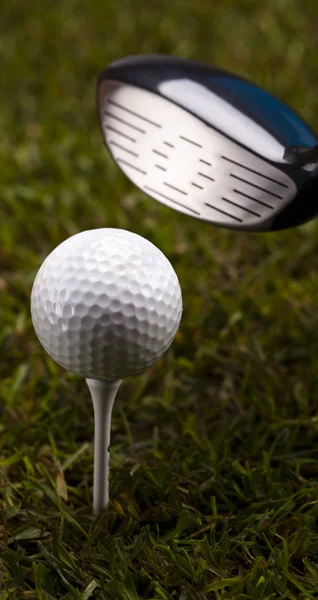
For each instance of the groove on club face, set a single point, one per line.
(206, 176)
(133, 113)
(252, 171)
(127, 164)
(182, 137)
(116, 145)
(156, 193)
(188, 165)
(222, 212)
(256, 186)
(159, 153)
(253, 199)
(173, 187)
(120, 133)
(123, 121)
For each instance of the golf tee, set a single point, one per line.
(103, 394)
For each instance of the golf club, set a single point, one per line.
(208, 143)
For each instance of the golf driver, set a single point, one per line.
(105, 304)
(208, 143)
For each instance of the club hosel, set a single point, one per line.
(302, 156)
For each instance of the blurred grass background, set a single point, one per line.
(214, 450)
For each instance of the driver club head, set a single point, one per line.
(208, 143)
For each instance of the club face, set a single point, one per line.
(181, 138)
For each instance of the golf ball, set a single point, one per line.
(106, 304)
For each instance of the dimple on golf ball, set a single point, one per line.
(106, 304)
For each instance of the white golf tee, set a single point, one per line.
(103, 394)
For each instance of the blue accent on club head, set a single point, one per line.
(275, 116)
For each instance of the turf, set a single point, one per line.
(214, 450)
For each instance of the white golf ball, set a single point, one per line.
(106, 304)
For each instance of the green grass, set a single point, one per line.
(214, 463)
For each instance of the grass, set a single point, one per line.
(214, 450)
